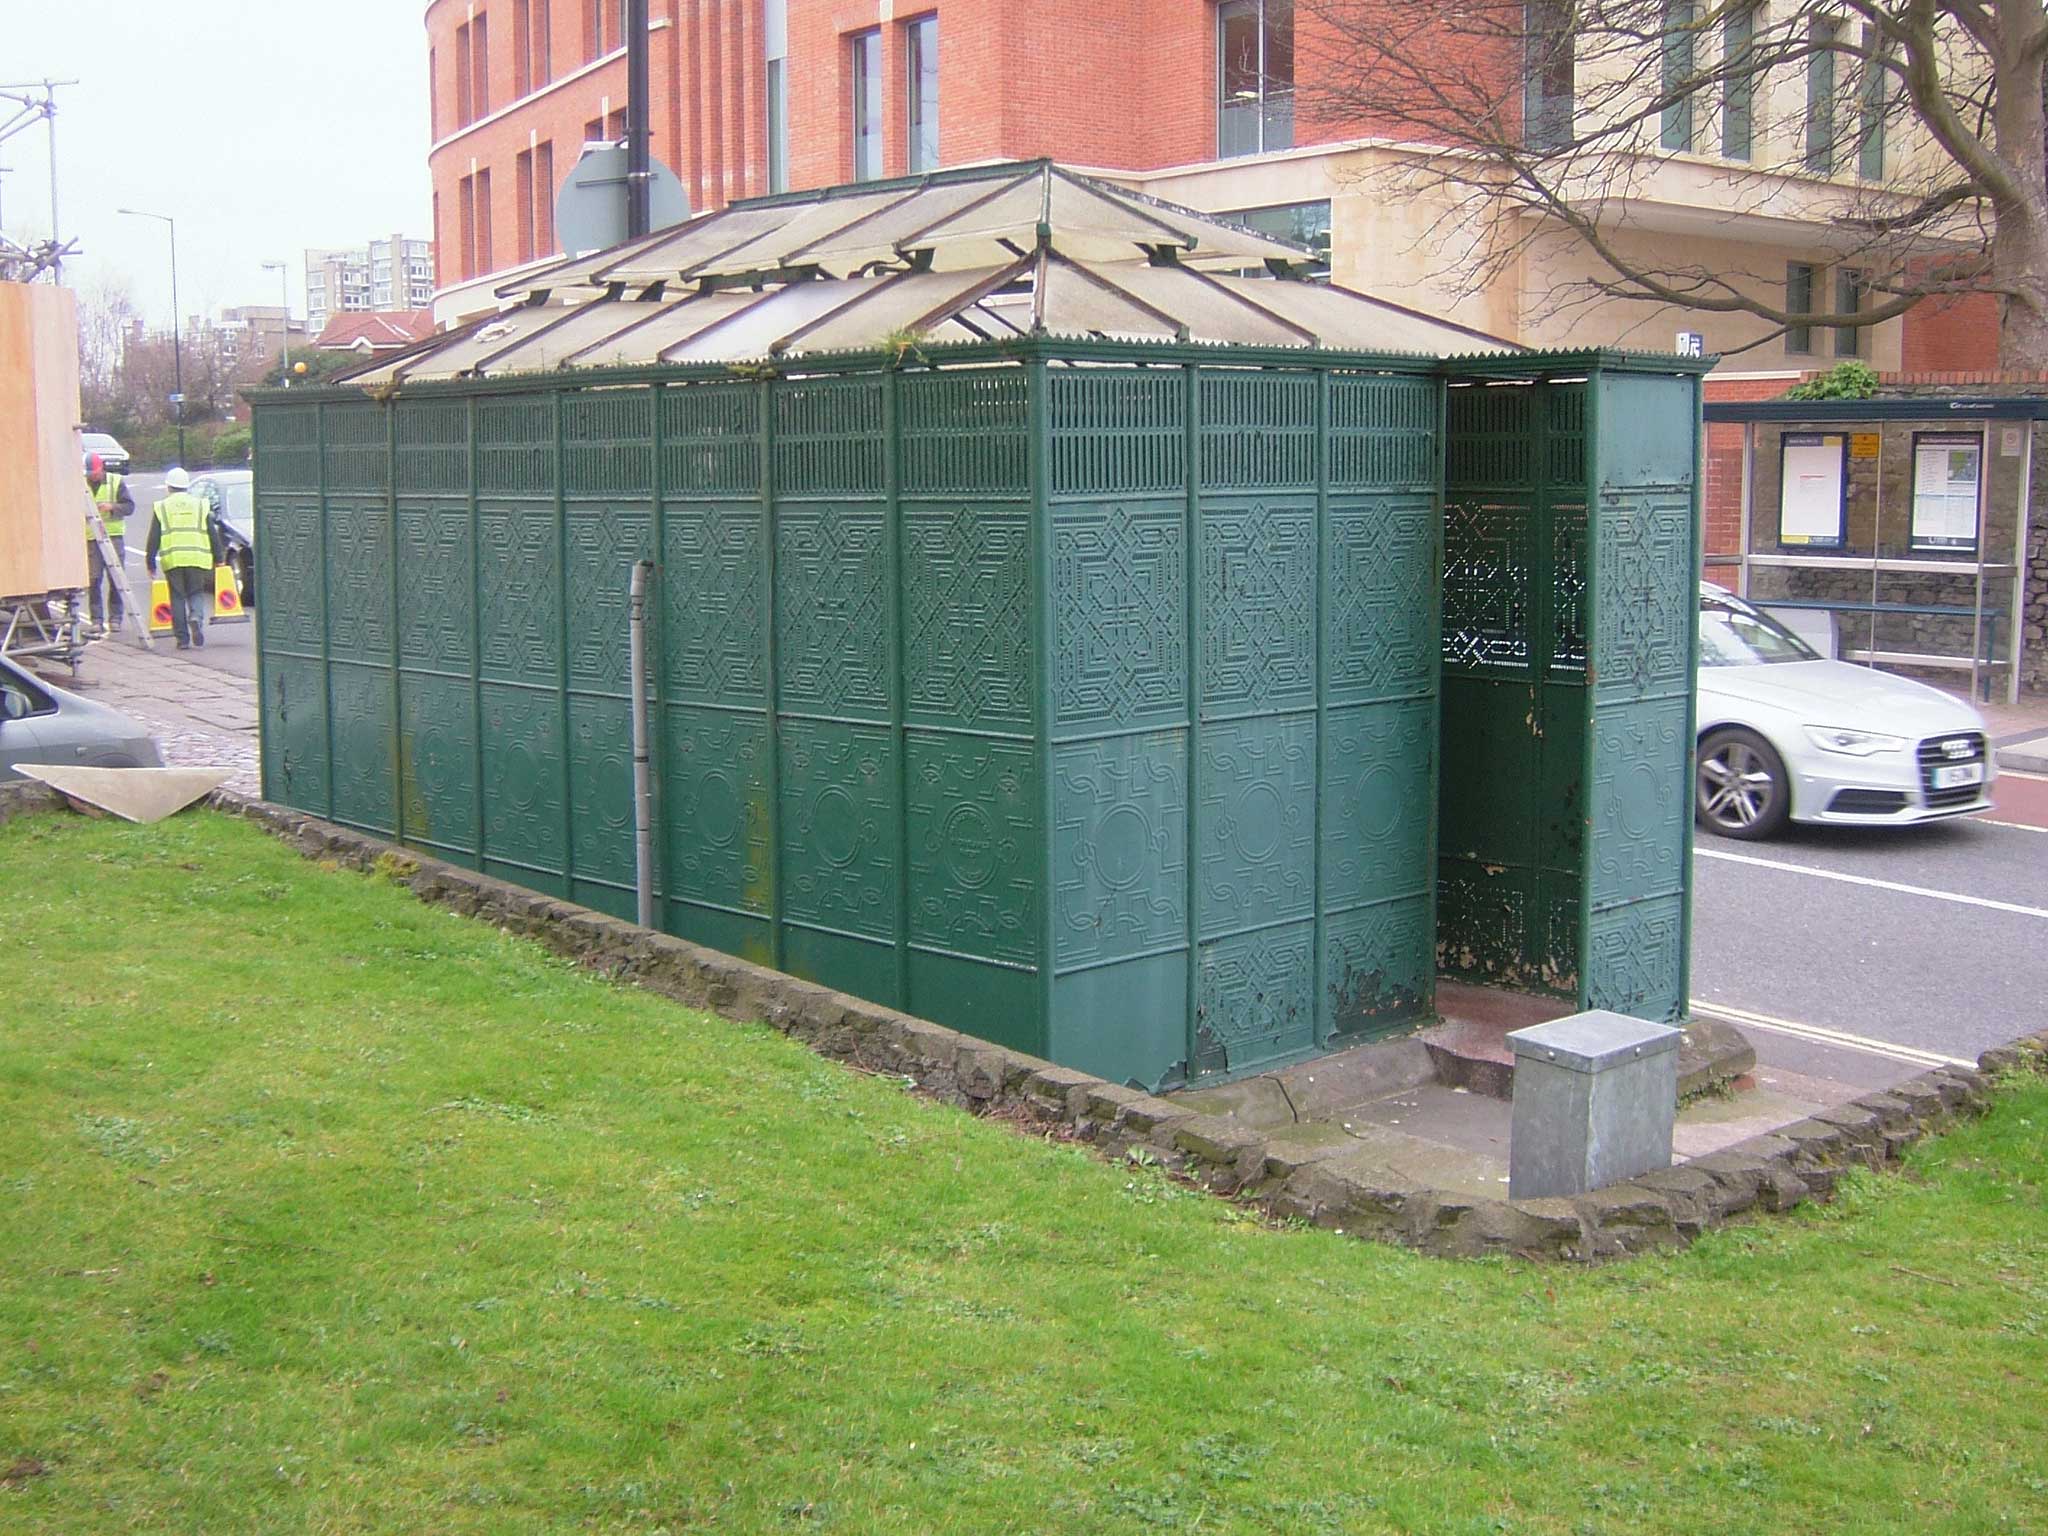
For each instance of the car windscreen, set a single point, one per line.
(1734, 634)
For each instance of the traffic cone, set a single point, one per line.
(227, 597)
(159, 607)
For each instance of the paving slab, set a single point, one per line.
(2028, 755)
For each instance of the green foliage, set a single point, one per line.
(319, 364)
(230, 450)
(1845, 381)
(359, 1216)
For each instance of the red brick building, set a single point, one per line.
(1191, 100)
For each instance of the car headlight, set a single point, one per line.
(1836, 738)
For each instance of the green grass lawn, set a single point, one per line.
(323, 1210)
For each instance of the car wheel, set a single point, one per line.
(1742, 789)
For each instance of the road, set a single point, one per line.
(229, 648)
(1931, 941)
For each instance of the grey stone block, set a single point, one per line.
(1595, 1099)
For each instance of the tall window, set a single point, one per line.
(867, 105)
(480, 65)
(1848, 301)
(536, 174)
(541, 45)
(1873, 97)
(522, 47)
(921, 55)
(775, 34)
(604, 27)
(433, 94)
(484, 261)
(1820, 98)
(1549, 75)
(1738, 32)
(1681, 17)
(465, 98)
(466, 191)
(1254, 76)
(1799, 301)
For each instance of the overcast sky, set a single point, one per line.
(264, 127)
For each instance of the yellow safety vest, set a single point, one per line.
(183, 542)
(104, 497)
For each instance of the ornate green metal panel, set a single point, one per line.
(1090, 708)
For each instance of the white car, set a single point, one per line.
(1785, 733)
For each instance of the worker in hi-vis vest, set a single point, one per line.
(185, 537)
(111, 496)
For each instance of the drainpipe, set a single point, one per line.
(643, 793)
(639, 159)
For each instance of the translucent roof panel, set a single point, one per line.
(468, 349)
(1209, 312)
(675, 323)
(690, 246)
(894, 307)
(877, 238)
(1077, 306)
(1357, 321)
(581, 327)
(753, 331)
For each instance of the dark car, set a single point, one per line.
(112, 456)
(232, 495)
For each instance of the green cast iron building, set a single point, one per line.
(1070, 624)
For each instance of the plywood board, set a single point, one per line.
(42, 490)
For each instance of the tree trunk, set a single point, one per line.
(2019, 264)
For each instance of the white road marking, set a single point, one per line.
(1882, 885)
(1819, 1035)
(2017, 826)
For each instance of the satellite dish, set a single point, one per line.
(590, 211)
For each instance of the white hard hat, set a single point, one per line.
(177, 480)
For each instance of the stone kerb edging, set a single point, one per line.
(1666, 1209)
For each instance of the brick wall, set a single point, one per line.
(1721, 486)
(1946, 335)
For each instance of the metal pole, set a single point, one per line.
(177, 344)
(643, 795)
(638, 151)
(56, 241)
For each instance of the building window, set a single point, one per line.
(1550, 86)
(433, 94)
(1874, 98)
(541, 46)
(921, 54)
(536, 189)
(1799, 301)
(1254, 77)
(522, 47)
(867, 105)
(484, 260)
(1820, 97)
(1681, 17)
(480, 65)
(465, 112)
(1848, 301)
(466, 235)
(1304, 223)
(775, 41)
(1738, 33)
(604, 27)
(522, 175)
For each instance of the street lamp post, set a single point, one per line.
(284, 323)
(177, 326)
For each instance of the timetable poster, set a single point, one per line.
(1947, 472)
(1812, 486)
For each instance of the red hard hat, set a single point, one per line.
(94, 466)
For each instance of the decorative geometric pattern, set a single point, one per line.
(1637, 958)
(714, 790)
(437, 760)
(1648, 604)
(288, 448)
(364, 746)
(1380, 628)
(1118, 431)
(839, 824)
(1482, 927)
(358, 579)
(1258, 430)
(1378, 812)
(295, 733)
(1486, 584)
(604, 542)
(713, 616)
(1257, 998)
(964, 432)
(1642, 797)
(1567, 588)
(828, 437)
(973, 846)
(711, 439)
(967, 584)
(435, 586)
(1255, 823)
(515, 445)
(1258, 572)
(520, 626)
(523, 777)
(290, 573)
(1379, 967)
(1119, 614)
(1119, 851)
(1489, 443)
(832, 611)
(601, 789)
